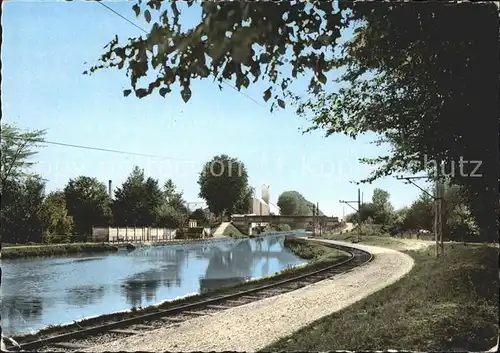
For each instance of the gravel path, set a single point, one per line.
(255, 325)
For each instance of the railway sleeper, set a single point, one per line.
(272, 292)
(198, 313)
(173, 319)
(67, 345)
(218, 307)
(124, 331)
(233, 302)
(249, 297)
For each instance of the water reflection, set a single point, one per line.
(41, 292)
(20, 312)
(85, 294)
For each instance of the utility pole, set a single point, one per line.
(437, 197)
(313, 221)
(318, 219)
(358, 202)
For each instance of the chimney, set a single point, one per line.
(110, 189)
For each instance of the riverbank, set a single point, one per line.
(46, 250)
(442, 304)
(333, 257)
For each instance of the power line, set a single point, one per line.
(120, 15)
(143, 30)
(95, 148)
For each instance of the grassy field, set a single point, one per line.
(14, 252)
(321, 255)
(442, 304)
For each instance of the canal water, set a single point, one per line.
(51, 291)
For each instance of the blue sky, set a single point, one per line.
(45, 46)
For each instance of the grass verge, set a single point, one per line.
(443, 304)
(323, 256)
(375, 240)
(312, 251)
(15, 252)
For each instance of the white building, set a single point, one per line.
(262, 206)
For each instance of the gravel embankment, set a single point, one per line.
(255, 325)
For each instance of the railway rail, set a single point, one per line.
(82, 338)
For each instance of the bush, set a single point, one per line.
(283, 228)
(179, 233)
(49, 238)
(56, 238)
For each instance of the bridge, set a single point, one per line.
(297, 222)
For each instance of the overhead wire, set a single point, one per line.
(143, 30)
(94, 148)
(113, 150)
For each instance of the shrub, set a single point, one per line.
(179, 233)
(283, 228)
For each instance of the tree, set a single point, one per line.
(173, 211)
(88, 203)
(154, 198)
(458, 223)
(412, 74)
(381, 206)
(173, 197)
(293, 203)
(200, 216)
(380, 199)
(57, 223)
(20, 214)
(16, 149)
(139, 201)
(397, 224)
(288, 203)
(223, 183)
(242, 206)
(420, 215)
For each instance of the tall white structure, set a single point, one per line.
(261, 205)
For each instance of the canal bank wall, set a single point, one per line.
(49, 250)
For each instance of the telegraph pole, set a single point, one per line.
(317, 218)
(437, 197)
(358, 202)
(313, 221)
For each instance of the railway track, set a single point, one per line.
(84, 337)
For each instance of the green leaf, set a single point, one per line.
(141, 92)
(163, 91)
(137, 10)
(281, 103)
(127, 92)
(267, 94)
(147, 16)
(322, 78)
(186, 94)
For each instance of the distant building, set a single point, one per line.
(261, 206)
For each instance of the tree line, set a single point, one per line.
(379, 216)
(28, 214)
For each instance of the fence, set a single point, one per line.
(128, 234)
